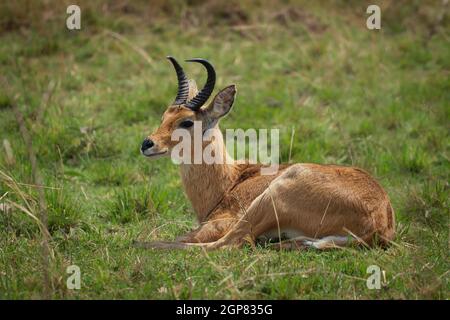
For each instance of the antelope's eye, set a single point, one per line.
(186, 124)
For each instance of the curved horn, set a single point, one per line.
(183, 84)
(204, 94)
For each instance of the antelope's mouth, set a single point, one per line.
(150, 154)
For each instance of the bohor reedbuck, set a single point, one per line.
(301, 205)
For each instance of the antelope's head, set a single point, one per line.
(189, 106)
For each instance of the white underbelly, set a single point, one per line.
(285, 234)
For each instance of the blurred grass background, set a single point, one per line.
(374, 99)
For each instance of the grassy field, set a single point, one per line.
(378, 100)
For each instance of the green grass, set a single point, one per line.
(374, 99)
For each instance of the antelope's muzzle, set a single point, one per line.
(147, 144)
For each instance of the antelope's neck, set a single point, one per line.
(206, 184)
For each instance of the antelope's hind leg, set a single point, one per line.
(329, 242)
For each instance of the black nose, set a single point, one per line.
(147, 144)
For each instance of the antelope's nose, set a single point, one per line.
(147, 144)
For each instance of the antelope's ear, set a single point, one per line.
(222, 103)
(193, 90)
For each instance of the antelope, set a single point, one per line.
(302, 205)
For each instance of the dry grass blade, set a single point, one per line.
(323, 218)
(4, 195)
(124, 40)
(31, 215)
(291, 144)
(12, 184)
(37, 179)
(46, 97)
(9, 155)
(276, 216)
(359, 239)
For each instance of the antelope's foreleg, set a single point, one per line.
(203, 236)
(159, 245)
